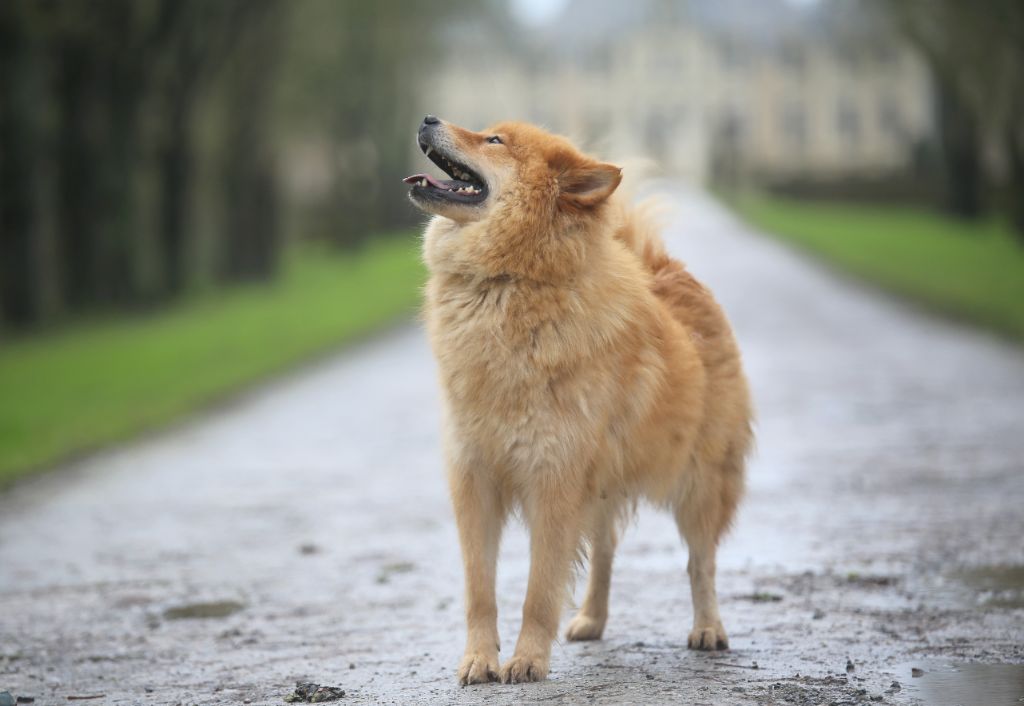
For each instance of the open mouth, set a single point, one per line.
(465, 185)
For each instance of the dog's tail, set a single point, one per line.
(640, 224)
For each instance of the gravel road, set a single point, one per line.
(303, 533)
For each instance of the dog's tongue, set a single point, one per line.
(417, 178)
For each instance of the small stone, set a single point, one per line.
(308, 692)
(818, 615)
(915, 672)
(849, 665)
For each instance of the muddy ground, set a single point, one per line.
(303, 533)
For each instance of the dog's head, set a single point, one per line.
(511, 185)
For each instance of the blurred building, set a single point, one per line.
(761, 90)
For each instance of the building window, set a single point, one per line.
(794, 126)
(848, 121)
(793, 57)
(732, 127)
(656, 135)
(734, 56)
(890, 118)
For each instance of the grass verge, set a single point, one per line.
(79, 388)
(973, 271)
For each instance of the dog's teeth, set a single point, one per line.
(429, 150)
(423, 182)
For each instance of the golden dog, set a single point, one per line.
(582, 369)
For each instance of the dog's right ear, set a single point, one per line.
(585, 183)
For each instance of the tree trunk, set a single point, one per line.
(19, 287)
(251, 246)
(961, 150)
(176, 162)
(1015, 155)
(77, 158)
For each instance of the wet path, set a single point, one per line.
(884, 524)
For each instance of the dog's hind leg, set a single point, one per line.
(590, 621)
(702, 517)
(708, 632)
(479, 515)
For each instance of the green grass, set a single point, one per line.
(77, 389)
(969, 271)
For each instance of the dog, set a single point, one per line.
(582, 369)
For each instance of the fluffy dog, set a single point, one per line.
(582, 369)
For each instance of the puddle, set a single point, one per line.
(215, 609)
(950, 684)
(997, 586)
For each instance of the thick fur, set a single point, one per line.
(582, 369)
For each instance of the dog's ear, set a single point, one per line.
(586, 183)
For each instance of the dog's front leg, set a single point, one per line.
(479, 515)
(554, 539)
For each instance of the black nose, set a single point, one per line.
(430, 120)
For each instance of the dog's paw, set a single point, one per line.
(519, 670)
(478, 668)
(583, 627)
(708, 638)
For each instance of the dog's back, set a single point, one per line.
(726, 430)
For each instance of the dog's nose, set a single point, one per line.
(430, 120)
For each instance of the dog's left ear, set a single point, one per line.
(587, 184)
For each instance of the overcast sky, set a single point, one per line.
(536, 12)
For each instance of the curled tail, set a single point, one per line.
(639, 224)
(640, 230)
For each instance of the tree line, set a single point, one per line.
(99, 108)
(141, 141)
(975, 54)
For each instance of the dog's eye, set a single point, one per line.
(494, 140)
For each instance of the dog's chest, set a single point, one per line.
(503, 356)
(496, 341)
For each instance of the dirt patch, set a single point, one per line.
(203, 611)
(761, 597)
(398, 567)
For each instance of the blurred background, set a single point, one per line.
(195, 194)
